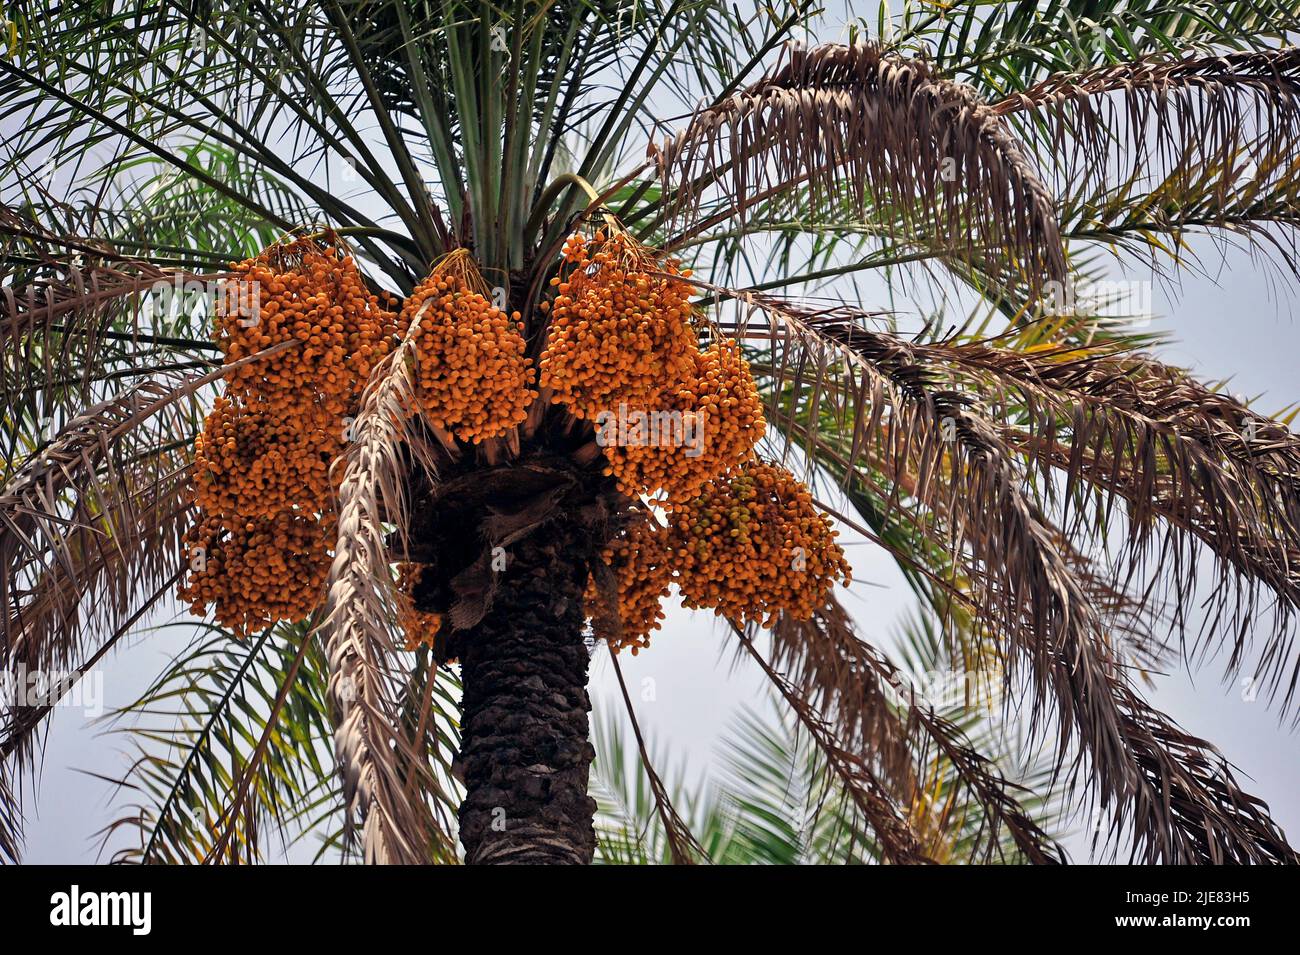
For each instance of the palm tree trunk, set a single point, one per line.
(524, 747)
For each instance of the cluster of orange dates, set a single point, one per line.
(259, 550)
(751, 545)
(641, 564)
(420, 626)
(710, 423)
(677, 424)
(622, 352)
(473, 378)
(620, 328)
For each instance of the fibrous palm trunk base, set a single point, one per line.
(524, 748)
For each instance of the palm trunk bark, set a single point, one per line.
(524, 747)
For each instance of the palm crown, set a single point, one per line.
(429, 190)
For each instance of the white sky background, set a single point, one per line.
(1229, 325)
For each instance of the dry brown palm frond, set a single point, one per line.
(63, 493)
(23, 231)
(1161, 147)
(373, 755)
(1195, 469)
(1188, 117)
(90, 534)
(64, 303)
(114, 540)
(825, 662)
(1190, 471)
(898, 841)
(11, 817)
(1216, 822)
(131, 550)
(883, 131)
(874, 709)
(1129, 621)
(1025, 590)
(1186, 806)
(89, 543)
(22, 722)
(71, 322)
(80, 475)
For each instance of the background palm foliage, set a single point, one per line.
(776, 797)
(1059, 499)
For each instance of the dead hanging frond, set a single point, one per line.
(1167, 145)
(110, 564)
(1024, 589)
(1118, 437)
(65, 323)
(87, 486)
(11, 817)
(77, 496)
(857, 123)
(75, 304)
(1195, 470)
(1186, 807)
(90, 526)
(872, 708)
(898, 842)
(907, 534)
(1160, 116)
(90, 538)
(375, 758)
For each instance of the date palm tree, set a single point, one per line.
(1068, 508)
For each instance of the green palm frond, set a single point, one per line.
(198, 731)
